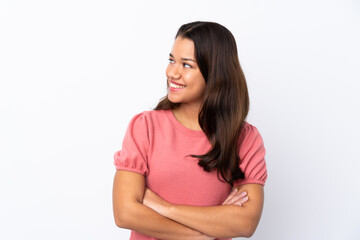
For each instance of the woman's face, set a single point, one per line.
(185, 81)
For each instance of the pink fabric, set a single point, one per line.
(156, 144)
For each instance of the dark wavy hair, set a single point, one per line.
(226, 100)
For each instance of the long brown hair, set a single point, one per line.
(226, 100)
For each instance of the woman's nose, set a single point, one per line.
(174, 71)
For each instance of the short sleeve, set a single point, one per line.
(252, 157)
(133, 154)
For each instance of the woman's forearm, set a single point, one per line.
(143, 219)
(223, 221)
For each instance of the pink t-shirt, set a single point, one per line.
(156, 144)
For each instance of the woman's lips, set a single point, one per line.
(175, 87)
(177, 83)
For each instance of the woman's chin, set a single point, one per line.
(173, 100)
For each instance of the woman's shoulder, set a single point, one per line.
(153, 113)
(249, 133)
(150, 117)
(248, 127)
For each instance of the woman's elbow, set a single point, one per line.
(246, 228)
(119, 219)
(249, 232)
(245, 232)
(122, 217)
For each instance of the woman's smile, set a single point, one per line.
(175, 87)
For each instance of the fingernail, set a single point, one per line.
(235, 190)
(243, 194)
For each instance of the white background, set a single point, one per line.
(73, 73)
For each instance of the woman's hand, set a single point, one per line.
(153, 201)
(236, 198)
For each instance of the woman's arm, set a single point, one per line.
(223, 221)
(130, 213)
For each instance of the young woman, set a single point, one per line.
(193, 168)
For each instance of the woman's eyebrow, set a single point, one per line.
(185, 59)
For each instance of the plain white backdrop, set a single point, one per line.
(73, 73)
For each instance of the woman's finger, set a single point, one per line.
(237, 199)
(241, 201)
(231, 195)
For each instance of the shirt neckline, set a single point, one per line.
(182, 128)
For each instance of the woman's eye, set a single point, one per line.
(185, 64)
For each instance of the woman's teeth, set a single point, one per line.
(176, 86)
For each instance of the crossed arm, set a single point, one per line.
(141, 210)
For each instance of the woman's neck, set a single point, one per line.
(188, 116)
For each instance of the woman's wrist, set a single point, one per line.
(165, 208)
(153, 201)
